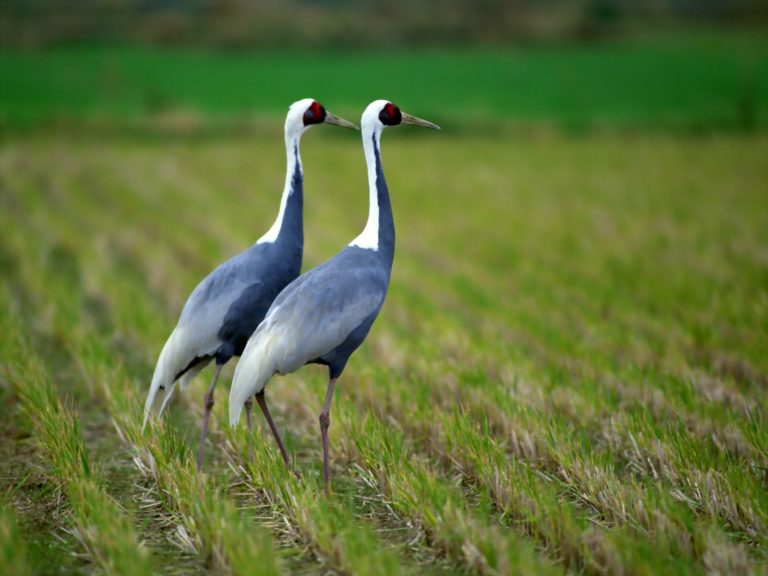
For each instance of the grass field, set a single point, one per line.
(569, 374)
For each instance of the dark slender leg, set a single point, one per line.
(263, 403)
(325, 421)
(207, 417)
(248, 417)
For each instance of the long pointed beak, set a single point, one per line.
(408, 119)
(331, 119)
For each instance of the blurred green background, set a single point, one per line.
(213, 64)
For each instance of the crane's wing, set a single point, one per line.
(195, 339)
(311, 317)
(321, 312)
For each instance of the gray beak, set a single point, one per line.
(408, 119)
(331, 119)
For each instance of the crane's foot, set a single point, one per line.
(204, 432)
(209, 402)
(325, 422)
(265, 410)
(249, 419)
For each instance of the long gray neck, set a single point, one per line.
(289, 224)
(379, 231)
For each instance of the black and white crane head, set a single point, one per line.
(380, 114)
(301, 116)
(305, 113)
(377, 116)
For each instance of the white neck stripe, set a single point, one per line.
(292, 154)
(369, 237)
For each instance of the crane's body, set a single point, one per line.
(324, 315)
(226, 307)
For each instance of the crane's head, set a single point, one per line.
(305, 113)
(382, 113)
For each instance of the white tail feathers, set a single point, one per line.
(257, 365)
(162, 381)
(173, 359)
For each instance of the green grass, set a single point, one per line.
(709, 81)
(13, 549)
(106, 532)
(568, 376)
(213, 527)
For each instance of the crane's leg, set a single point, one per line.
(248, 417)
(263, 403)
(207, 416)
(325, 421)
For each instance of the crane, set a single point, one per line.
(226, 307)
(324, 315)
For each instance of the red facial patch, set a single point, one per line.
(390, 115)
(315, 114)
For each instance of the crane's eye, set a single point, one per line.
(315, 114)
(390, 115)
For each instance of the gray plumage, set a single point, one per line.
(226, 307)
(323, 316)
